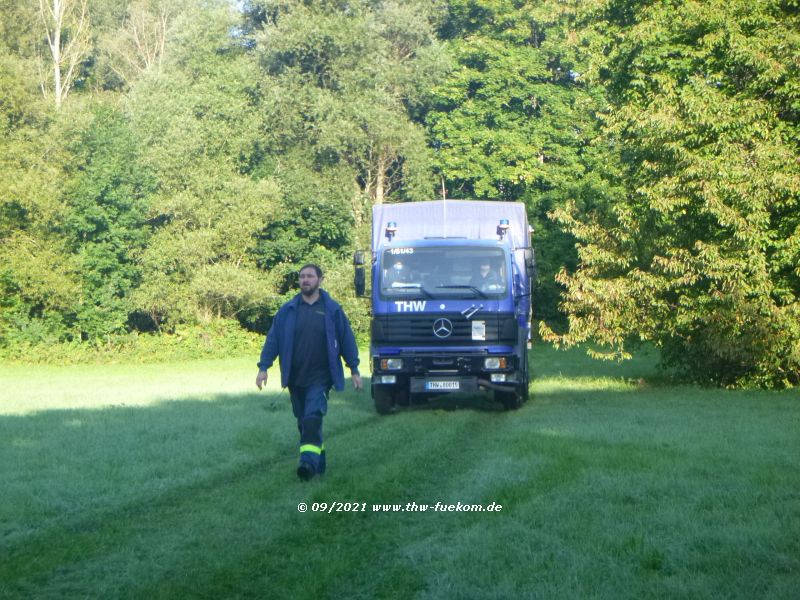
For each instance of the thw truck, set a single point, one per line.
(451, 288)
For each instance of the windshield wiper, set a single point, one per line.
(465, 287)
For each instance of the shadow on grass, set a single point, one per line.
(77, 483)
(198, 498)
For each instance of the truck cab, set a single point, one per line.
(450, 301)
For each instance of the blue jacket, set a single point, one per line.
(341, 341)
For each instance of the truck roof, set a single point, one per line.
(462, 219)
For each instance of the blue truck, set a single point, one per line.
(451, 300)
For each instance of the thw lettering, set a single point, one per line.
(410, 305)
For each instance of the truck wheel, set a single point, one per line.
(510, 400)
(402, 397)
(526, 380)
(526, 383)
(384, 401)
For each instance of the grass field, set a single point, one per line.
(177, 481)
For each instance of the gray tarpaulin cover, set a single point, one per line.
(470, 219)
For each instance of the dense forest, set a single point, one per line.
(173, 162)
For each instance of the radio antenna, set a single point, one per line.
(444, 204)
(444, 201)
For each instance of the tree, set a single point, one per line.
(701, 255)
(66, 26)
(515, 120)
(352, 72)
(140, 43)
(38, 277)
(106, 194)
(200, 128)
(19, 27)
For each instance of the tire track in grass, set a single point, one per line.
(452, 545)
(569, 556)
(305, 555)
(29, 562)
(480, 439)
(241, 535)
(407, 457)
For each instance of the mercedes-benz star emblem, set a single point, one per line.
(442, 328)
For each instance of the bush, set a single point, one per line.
(221, 338)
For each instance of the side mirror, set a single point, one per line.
(530, 262)
(360, 281)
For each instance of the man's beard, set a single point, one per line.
(310, 291)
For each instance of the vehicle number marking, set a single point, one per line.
(442, 385)
(401, 251)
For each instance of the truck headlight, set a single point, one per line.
(494, 362)
(391, 364)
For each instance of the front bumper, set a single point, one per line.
(438, 373)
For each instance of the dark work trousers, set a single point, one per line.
(309, 404)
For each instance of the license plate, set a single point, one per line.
(441, 385)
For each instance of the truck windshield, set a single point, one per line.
(443, 272)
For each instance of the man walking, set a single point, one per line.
(309, 334)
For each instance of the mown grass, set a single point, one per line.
(178, 481)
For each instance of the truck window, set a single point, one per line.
(443, 272)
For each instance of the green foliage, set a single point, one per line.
(315, 224)
(39, 278)
(220, 337)
(200, 131)
(18, 27)
(701, 254)
(515, 120)
(106, 223)
(344, 81)
(208, 149)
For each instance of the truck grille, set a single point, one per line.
(418, 329)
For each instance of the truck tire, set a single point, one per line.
(511, 400)
(402, 397)
(525, 384)
(526, 381)
(384, 399)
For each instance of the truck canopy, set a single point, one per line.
(466, 219)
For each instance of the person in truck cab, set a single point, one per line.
(486, 279)
(397, 273)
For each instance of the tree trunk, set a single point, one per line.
(379, 178)
(56, 18)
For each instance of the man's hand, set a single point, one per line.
(357, 383)
(261, 379)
